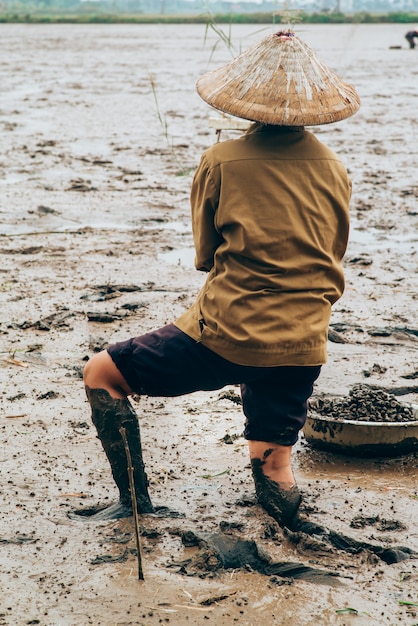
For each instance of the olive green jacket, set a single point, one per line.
(270, 216)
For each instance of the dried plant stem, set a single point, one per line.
(222, 36)
(163, 122)
(122, 431)
(288, 15)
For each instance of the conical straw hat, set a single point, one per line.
(279, 81)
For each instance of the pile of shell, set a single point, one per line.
(364, 404)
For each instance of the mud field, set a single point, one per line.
(101, 130)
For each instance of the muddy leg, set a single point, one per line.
(275, 485)
(108, 415)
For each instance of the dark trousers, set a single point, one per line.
(167, 362)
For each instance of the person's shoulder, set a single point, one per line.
(320, 148)
(224, 151)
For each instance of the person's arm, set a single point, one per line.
(204, 199)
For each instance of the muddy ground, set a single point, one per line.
(96, 161)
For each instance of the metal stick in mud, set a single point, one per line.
(122, 431)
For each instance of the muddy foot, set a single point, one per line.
(281, 504)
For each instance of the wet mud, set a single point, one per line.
(96, 246)
(220, 551)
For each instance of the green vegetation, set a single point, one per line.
(351, 611)
(76, 17)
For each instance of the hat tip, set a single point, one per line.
(284, 34)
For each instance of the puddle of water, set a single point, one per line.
(12, 179)
(178, 227)
(180, 256)
(29, 229)
(55, 223)
(85, 147)
(375, 239)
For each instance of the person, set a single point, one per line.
(270, 218)
(410, 37)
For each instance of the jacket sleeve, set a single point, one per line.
(204, 198)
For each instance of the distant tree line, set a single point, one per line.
(179, 11)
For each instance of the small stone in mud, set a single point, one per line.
(279, 581)
(45, 210)
(18, 396)
(19, 539)
(110, 558)
(97, 344)
(229, 439)
(49, 395)
(230, 526)
(375, 369)
(103, 318)
(151, 533)
(230, 395)
(384, 525)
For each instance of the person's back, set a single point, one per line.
(279, 199)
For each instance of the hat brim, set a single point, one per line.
(279, 81)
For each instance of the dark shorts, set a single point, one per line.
(167, 362)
